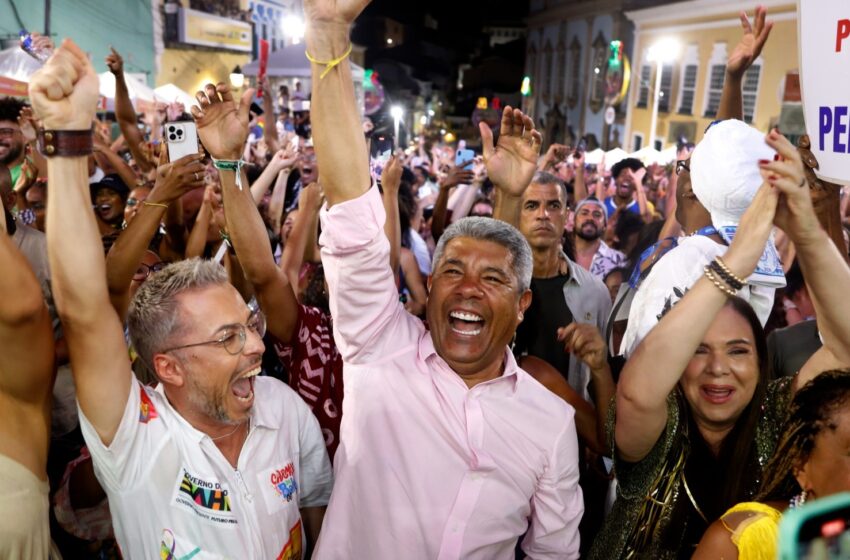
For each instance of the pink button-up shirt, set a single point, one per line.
(427, 467)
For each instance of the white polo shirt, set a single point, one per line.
(172, 493)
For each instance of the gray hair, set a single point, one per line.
(497, 231)
(153, 316)
(546, 178)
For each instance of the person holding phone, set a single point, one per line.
(696, 417)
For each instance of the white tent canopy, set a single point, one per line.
(668, 155)
(137, 89)
(169, 93)
(17, 65)
(594, 157)
(648, 155)
(614, 156)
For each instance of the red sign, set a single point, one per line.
(264, 62)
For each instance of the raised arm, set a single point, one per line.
(512, 162)
(282, 161)
(579, 186)
(390, 183)
(223, 129)
(64, 95)
(654, 369)
(270, 130)
(125, 113)
(742, 57)
(827, 274)
(173, 180)
(337, 130)
(455, 177)
(303, 233)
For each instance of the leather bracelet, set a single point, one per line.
(67, 143)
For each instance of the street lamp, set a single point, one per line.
(397, 113)
(665, 50)
(237, 78)
(293, 27)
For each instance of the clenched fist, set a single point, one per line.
(64, 92)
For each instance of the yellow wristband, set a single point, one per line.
(330, 65)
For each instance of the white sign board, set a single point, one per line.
(824, 43)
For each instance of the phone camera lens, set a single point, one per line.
(179, 132)
(172, 137)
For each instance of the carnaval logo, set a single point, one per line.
(205, 494)
(283, 481)
(147, 411)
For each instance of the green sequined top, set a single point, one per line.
(626, 533)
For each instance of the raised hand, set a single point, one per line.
(285, 158)
(26, 120)
(222, 125)
(795, 213)
(175, 179)
(586, 343)
(391, 174)
(311, 198)
(749, 47)
(457, 175)
(754, 229)
(334, 11)
(114, 62)
(64, 92)
(512, 162)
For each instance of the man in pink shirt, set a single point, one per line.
(448, 450)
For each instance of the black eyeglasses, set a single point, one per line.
(145, 270)
(234, 336)
(682, 165)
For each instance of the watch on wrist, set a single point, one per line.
(68, 143)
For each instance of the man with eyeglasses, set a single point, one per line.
(12, 143)
(214, 461)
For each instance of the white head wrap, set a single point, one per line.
(725, 178)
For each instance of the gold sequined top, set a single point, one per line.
(648, 491)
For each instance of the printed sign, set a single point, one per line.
(824, 43)
(201, 28)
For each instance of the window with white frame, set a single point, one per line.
(688, 83)
(716, 77)
(751, 90)
(643, 85)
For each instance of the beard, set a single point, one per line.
(596, 234)
(209, 402)
(15, 151)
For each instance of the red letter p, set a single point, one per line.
(843, 33)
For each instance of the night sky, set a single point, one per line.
(453, 15)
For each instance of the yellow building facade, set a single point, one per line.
(191, 64)
(704, 32)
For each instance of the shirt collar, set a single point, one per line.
(427, 351)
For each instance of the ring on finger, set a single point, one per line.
(196, 176)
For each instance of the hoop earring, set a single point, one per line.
(798, 500)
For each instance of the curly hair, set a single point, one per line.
(811, 412)
(10, 108)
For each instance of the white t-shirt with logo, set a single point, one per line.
(172, 493)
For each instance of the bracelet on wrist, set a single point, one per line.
(157, 204)
(718, 283)
(719, 266)
(65, 143)
(231, 165)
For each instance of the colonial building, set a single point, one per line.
(567, 50)
(702, 33)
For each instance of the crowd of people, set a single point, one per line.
(287, 345)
